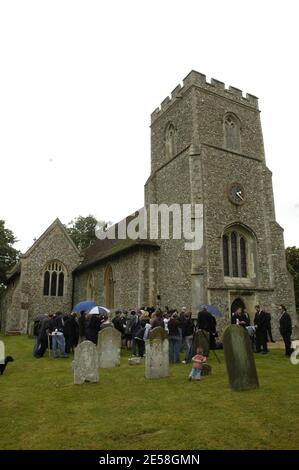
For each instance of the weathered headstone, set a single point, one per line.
(239, 359)
(295, 333)
(2, 352)
(109, 344)
(158, 333)
(201, 339)
(157, 354)
(86, 363)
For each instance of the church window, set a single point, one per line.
(238, 253)
(170, 141)
(232, 132)
(243, 257)
(46, 283)
(90, 287)
(53, 283)
(60, 284)
(233, 239)
(54, 279)
(225, 256)
(109, 287)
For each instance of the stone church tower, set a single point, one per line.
(207, 148)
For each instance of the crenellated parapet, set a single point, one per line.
(214, 86)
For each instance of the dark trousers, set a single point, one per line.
(42, 346)
(287, 342)
(261, 340)
(140, 347)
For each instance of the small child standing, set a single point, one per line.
(198, 360)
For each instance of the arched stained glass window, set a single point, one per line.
(54, 279)
(46, 283)
(225, 255)
(243, 257)
(234, 249)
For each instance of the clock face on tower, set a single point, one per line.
(236, 194)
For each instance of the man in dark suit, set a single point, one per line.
(207, 322)
(285, 327)
(260, 322)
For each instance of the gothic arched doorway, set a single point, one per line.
(109, 287)
(237, 303)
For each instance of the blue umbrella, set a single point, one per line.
(85, 305)
(211, 309)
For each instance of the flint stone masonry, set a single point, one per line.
(109, 344)
(239, 359)
(85, 364)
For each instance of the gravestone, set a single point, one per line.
(86, 364)
(158, 333)
(239, 359)
(109, 344)
(295, 333)
(2, 352)
(157, 354)
(201, 339)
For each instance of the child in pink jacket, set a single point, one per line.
(198, 361)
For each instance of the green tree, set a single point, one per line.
(8, 254)
(82, 230)
(292, 256)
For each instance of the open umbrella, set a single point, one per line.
(211, 309)
(85, 305)
(98, 310)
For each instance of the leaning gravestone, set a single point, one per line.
(157, 354)
(85, 363)
(239, 359)
(109, 344)
(201, 339)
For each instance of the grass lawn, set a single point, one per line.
(40, 408)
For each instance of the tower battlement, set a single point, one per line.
(214, 86)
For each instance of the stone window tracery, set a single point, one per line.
(54, 279)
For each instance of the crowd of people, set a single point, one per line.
(261, 330)
(63, 332)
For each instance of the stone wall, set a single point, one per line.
(27, 299)
(197, 112)
(134, 281)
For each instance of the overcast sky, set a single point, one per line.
(79, 79)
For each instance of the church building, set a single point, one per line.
(206, 149)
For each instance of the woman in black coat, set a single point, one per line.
(285, 327)
(92, 328)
